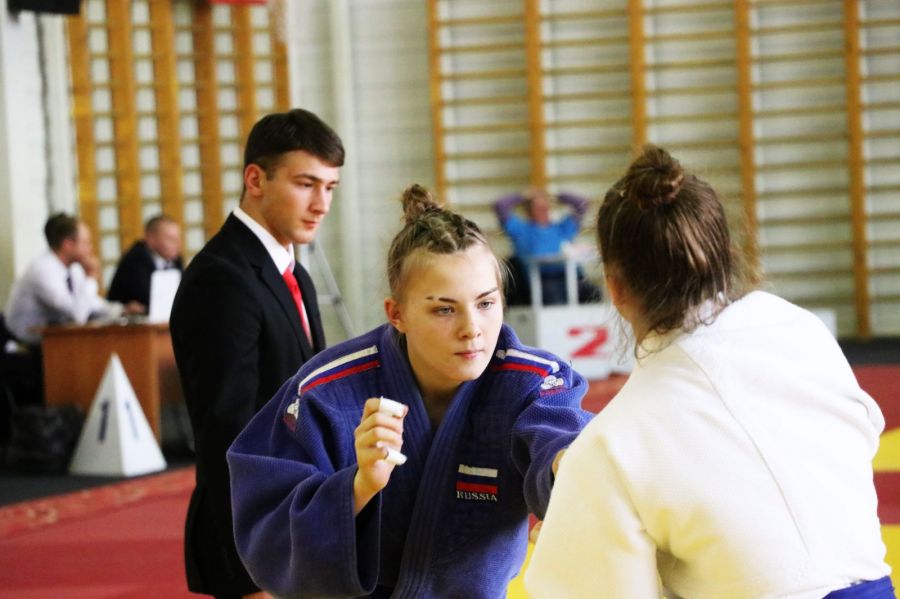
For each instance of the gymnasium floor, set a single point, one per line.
(124, 540)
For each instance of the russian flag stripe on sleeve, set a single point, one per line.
(345, 372)
(525, 367)
(369, 351)
(515, 353)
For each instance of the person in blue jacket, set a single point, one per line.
(540, 236)
(324, 505)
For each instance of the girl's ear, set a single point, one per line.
(614, 288)
(621, 298)
(394, 314)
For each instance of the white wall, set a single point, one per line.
(363, 66)
(389, 139)
(385, 125)
(35, 174)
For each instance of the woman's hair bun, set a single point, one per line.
(417, 201)
(654, 178)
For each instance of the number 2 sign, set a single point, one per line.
(591, 340)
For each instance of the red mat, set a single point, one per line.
(882, 382)
(31, 515)
(125, 540)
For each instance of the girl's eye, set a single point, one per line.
(443, 310)
(486, 304)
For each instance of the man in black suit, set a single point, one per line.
(159, 249)
(238, 329)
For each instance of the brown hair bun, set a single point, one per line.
(654, 178)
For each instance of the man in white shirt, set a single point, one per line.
(60, 286)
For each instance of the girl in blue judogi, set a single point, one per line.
(339, 493)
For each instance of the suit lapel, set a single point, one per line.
(311, 303)
(261, 261)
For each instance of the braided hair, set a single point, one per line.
(429, 229)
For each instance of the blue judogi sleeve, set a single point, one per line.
(548, 424)
(292, 471)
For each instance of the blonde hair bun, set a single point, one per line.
(417, 201)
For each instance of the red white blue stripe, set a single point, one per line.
(514, 359)
(338, 368)
(476, 479)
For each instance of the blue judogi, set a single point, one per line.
(452, 521)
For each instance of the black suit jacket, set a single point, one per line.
(237, 338)
(131, 282)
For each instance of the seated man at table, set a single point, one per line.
(537, 237)
(160, 249)
(60, 286)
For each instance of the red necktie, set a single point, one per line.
(294, 288)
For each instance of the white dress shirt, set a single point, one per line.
(41, 297)
(735, 463)
(159, 262)
(281, 255)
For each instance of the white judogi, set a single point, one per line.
(734, 463)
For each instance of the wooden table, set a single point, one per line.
(75, 358)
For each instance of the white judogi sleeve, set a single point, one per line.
(591, 510)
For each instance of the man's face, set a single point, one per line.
(292, 203)
(539, 209)
(165, 240)
(78, 248)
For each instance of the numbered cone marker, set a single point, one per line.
(116, 439)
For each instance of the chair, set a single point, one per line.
(518, 289)
(7, 401)
(21, 370)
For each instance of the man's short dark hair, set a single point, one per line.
(60, 227)
(154, 222)
(278, 133)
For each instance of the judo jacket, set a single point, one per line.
(452, 521)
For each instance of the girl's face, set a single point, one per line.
(451, 314)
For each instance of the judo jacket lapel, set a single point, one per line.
(439, 450)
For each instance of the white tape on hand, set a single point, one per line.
(394, 457)
(398, 410)
(394, 408)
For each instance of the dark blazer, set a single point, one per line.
(131, 282)
(237, 337)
